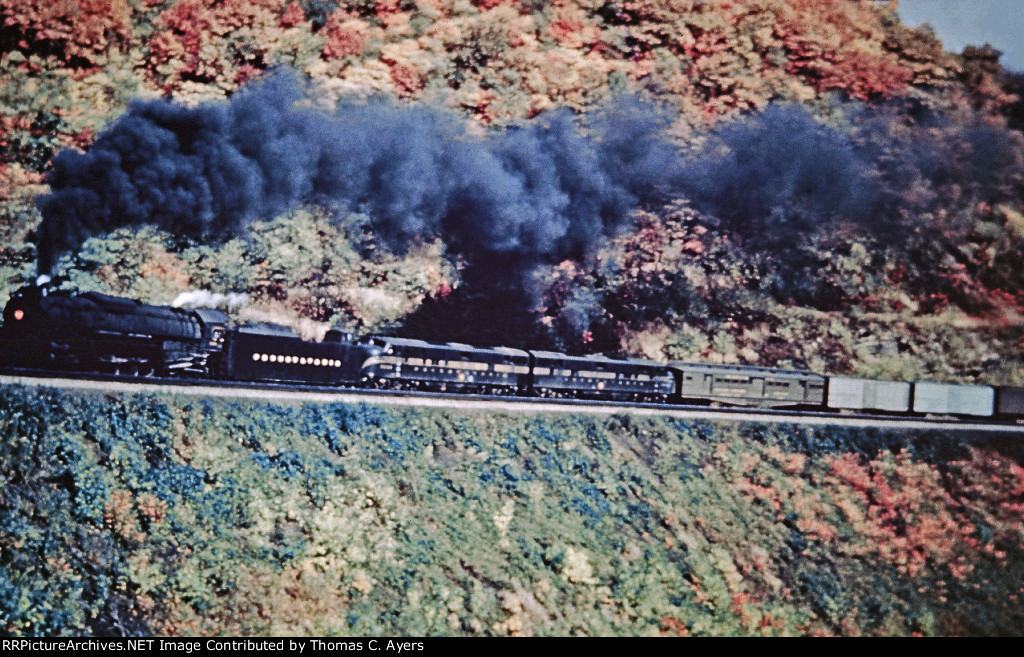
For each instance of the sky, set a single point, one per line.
(960, 23)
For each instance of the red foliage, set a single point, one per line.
(821, 42)
(408, 80)
(188, 21)
(674, 627)
(198, 40)
(293, 15)
(903, 514)
(385, 7)
(865, 76)
(861, 75)
(441, 293)
(566, 31)
(78, 31)
(991, 486)
(246, 72)
(570, 28)
(83, 139)
(934, 303)
(346, 36)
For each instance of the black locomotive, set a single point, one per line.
(54, 329)
(97, 332)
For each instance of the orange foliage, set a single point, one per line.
(900, 509)
(166, 267)
(14, 178)
(120, 515)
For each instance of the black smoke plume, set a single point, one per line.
(506, 200)
(552, 188)
(778, 175)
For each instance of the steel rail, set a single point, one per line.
(298, 392)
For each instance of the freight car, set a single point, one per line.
(923, 398)
(47, 328)
(950, 399)
(865, 395)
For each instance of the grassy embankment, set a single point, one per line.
(173, 515)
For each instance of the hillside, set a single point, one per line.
(802, 184)
(175, 516)
(793, 183)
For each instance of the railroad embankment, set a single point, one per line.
(171, 515)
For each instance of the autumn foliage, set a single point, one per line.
(79, 33)
(846, 197)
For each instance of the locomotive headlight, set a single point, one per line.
(19, 314)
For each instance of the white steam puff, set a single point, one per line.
(205, 299)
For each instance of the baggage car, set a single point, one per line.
(749, 386)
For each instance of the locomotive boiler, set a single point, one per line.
(54, 329)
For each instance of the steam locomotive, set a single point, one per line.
(47, 328)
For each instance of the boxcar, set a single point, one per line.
(1010, 401)
(953, 399)
(866, 395)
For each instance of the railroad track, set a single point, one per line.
(298, 393)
